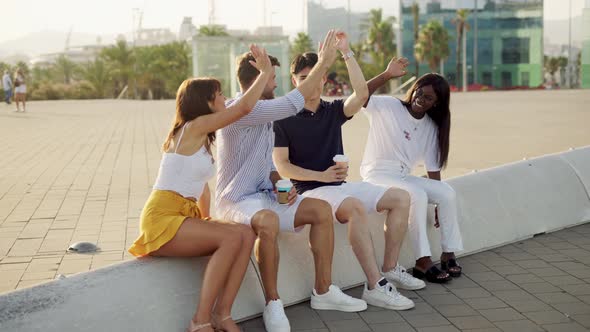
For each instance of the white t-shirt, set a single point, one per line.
(398, 142)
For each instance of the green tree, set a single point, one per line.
(120, 60)
(64, 69)
(161, 69)
(432, 45)
(97, 74)
(301, 44)
(416, 26)
(379, 43)
(460, 22)
(212, 31)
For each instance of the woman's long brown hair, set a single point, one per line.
(192, 100)
(440, 114)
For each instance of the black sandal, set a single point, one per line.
(451, 267)
(432, 275)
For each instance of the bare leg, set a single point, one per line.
(397, 202)
(17, 99)
(266, 225)
(24, 100)
(352, 211)
(318, 214)
(199, 238)
(229, 292)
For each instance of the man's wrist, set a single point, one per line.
(387, 75)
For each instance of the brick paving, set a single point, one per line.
(540, 284)
(81, 171)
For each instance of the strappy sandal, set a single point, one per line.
(432, 275)
(452, 268)
(195, 327)
(217, 323)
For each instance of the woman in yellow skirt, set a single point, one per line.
(175, 220)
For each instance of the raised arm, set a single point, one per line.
(280, 155)
(211, 122)
(396, 68)
(327, 54)
(360, 94)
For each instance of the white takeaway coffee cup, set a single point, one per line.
(340, 159)
(283, 189)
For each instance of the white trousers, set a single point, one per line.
(423, 191)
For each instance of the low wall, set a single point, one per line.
(496, 206)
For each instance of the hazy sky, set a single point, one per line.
(108, 17)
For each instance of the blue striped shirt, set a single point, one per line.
(244, 149)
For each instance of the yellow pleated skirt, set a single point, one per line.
(163, 214)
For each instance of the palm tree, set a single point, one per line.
(416, 21)
(432, 45)
(120, 59)
(301, 44)
(460, 22)
(379, 43)
(212, 31)
(64, 69)
(97, 74)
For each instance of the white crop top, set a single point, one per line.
(186, 175)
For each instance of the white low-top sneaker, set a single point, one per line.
(400, 278)
(385, 295)
(274, 317)
(335, 299)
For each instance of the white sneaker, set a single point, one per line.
(386, 296)
(274, 317)
(400, 278)
(335, 299)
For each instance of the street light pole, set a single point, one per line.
(475, 43)
(569, 53)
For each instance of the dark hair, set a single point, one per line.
(248, 73)
(192, 100)
(302, 61)
(440, 113)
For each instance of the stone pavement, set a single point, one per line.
(81, 170)
(540, 284)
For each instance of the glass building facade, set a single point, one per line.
(507, 34)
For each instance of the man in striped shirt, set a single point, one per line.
(245, 190)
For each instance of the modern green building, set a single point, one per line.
(585, 63)
(507, 36)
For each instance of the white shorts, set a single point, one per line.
(243, 211)
(20, 89)
(369, 194)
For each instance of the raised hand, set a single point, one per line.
(261, 59)
(397, 67)
(342, 43)
(327, 52)
(335, 173)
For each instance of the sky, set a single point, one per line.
(111, 17)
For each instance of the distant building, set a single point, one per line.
(269, 31)
(77, 54)
(187, 29)
(321, 19)
(509, 39)
(150, 37)
(585, 60)
(216, 57)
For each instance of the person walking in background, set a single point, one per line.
(403, 133)
(7, 85)
(20, 90)
(174, 223)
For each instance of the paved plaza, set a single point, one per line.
(81, 171)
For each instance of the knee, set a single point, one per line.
(449, 194)
(353, 211)
(266, 224)
(396, 198)
(247, 236)
(320, 212)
